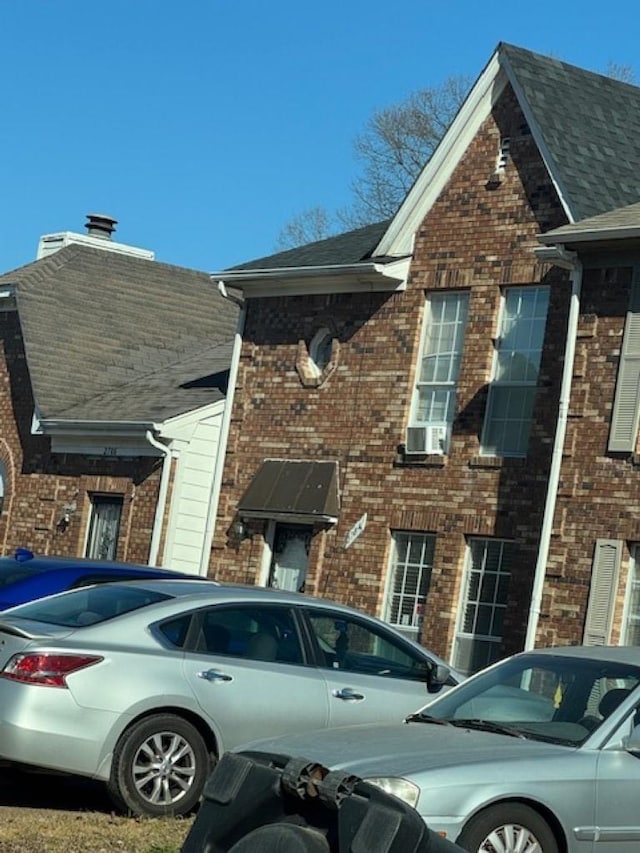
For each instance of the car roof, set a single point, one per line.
(614, 654)
(42, 562)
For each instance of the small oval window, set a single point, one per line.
(320, 349)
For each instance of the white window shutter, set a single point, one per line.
(602, 596)
(626, 406)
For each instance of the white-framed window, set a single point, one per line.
(434, 400)
(408, 581)
(631, 627)
(483, 603)
(516, 365)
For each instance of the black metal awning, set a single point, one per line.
(305, 492)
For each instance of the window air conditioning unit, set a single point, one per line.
(426, 440)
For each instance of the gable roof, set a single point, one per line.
(586, 127)
(110, 337)
(347, 248)
(589, 125)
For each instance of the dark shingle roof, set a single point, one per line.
(621, 220)
(347, 248)
(113, 337)
(590, 127)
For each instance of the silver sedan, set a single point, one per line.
(144, 684)
(539, 753)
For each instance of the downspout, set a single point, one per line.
(162, 497)
(214, 497)
(559, 256)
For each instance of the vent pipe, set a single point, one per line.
(101, 226)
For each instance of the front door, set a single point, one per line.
(290, 559)
(104, 527)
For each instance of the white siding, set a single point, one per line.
(190, 497)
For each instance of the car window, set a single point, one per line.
(556, 698)
(87, 606)
(176, 630)
(103, 577)
(252, 632)
(353, 645)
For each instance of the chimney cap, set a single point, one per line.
(100, 225)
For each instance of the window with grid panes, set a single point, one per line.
(518, 350)
(434, 403)
(483, 603)
(410, 574)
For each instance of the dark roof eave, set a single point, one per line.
(292, 517)
(568, 235)
(388, 274)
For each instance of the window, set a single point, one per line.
(320, 350)
(410, 574)
(631, 629)
(434, 402)
(515, 371)
(102, 542)
(352, 645)
(483, 603)
(254, 633)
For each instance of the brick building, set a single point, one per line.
(422, 423)
(113, 378)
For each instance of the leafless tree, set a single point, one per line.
(623, 73)
(396, 143)
(306, 227)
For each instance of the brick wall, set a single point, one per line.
(474, 237)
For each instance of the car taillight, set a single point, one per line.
(44, 668)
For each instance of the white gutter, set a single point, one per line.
(162, 497)
(214, 497)
(559, 256)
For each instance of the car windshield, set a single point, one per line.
(553, 698)
(88, 605)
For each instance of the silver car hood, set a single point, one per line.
(406, 749)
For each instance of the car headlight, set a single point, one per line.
(400, 788)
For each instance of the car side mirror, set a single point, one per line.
(438, 677)
(632, 743)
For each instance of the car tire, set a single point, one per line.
(160, 766)
(516, 828)
(282, 838)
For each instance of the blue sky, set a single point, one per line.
(203, 126)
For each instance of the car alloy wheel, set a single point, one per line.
(508, 828)
(160, 766)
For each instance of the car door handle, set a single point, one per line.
(348, 694)
(214, 675)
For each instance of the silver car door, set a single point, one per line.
(617, 816)
(370, 676)
(248, 673)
